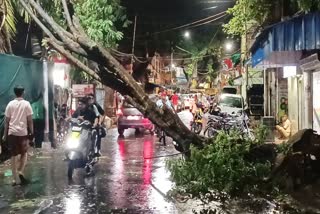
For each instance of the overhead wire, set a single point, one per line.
(198, 23)
(207, 22)
(120, 54)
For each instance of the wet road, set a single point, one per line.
(127, 180)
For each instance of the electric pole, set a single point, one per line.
(134, 38)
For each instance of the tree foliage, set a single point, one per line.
(249, 13)
(206, 51)
(102, 20)
(221, 166)
(7, 25)
(246, 13)
(308, 5)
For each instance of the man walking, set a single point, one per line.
(18, 130)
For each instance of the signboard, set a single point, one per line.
(82, 90)
(283, 97)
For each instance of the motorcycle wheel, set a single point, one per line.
(70, 169)
(193, 127)
(198, 128)
(211, 132)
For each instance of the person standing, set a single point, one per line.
(175, 101)
(18, 131)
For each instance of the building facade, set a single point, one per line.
(288, 52)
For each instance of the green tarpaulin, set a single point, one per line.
(26, 72)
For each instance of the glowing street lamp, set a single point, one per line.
(229, 46)
(186, 35)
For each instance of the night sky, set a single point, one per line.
(158, 15)
(176, 10)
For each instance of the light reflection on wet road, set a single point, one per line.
(128, 180)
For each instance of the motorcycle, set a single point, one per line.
(79, 149)
(62, 129)
(196, 124)
(239, 121)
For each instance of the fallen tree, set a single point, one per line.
(73, 41)
(238, 166)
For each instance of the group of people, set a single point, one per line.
(19, 129)
(89, 110)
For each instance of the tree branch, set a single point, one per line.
(73, 46)
(74, 60)
(82, 38)
(3, 21)
(41, 25)
(68, 17)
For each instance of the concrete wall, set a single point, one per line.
(293, 103)
(307, 99)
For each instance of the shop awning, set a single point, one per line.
(283, 43)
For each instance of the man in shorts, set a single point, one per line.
(18, 131)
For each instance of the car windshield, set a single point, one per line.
(234, 102)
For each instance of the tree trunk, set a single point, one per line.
(111, 73)
(109, 104)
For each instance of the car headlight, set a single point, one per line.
(72, 143)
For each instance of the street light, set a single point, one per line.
(186, 35)
(229, 46)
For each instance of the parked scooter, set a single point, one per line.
(197, 123)
(79, 147)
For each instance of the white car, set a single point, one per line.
(231, 103)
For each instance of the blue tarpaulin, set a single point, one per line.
(294, 35)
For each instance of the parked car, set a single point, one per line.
(131, 117)
(231, 103)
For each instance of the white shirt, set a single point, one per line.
(17, 111)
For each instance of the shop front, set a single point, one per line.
(292, 46)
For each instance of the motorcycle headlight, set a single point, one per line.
(72, 143)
